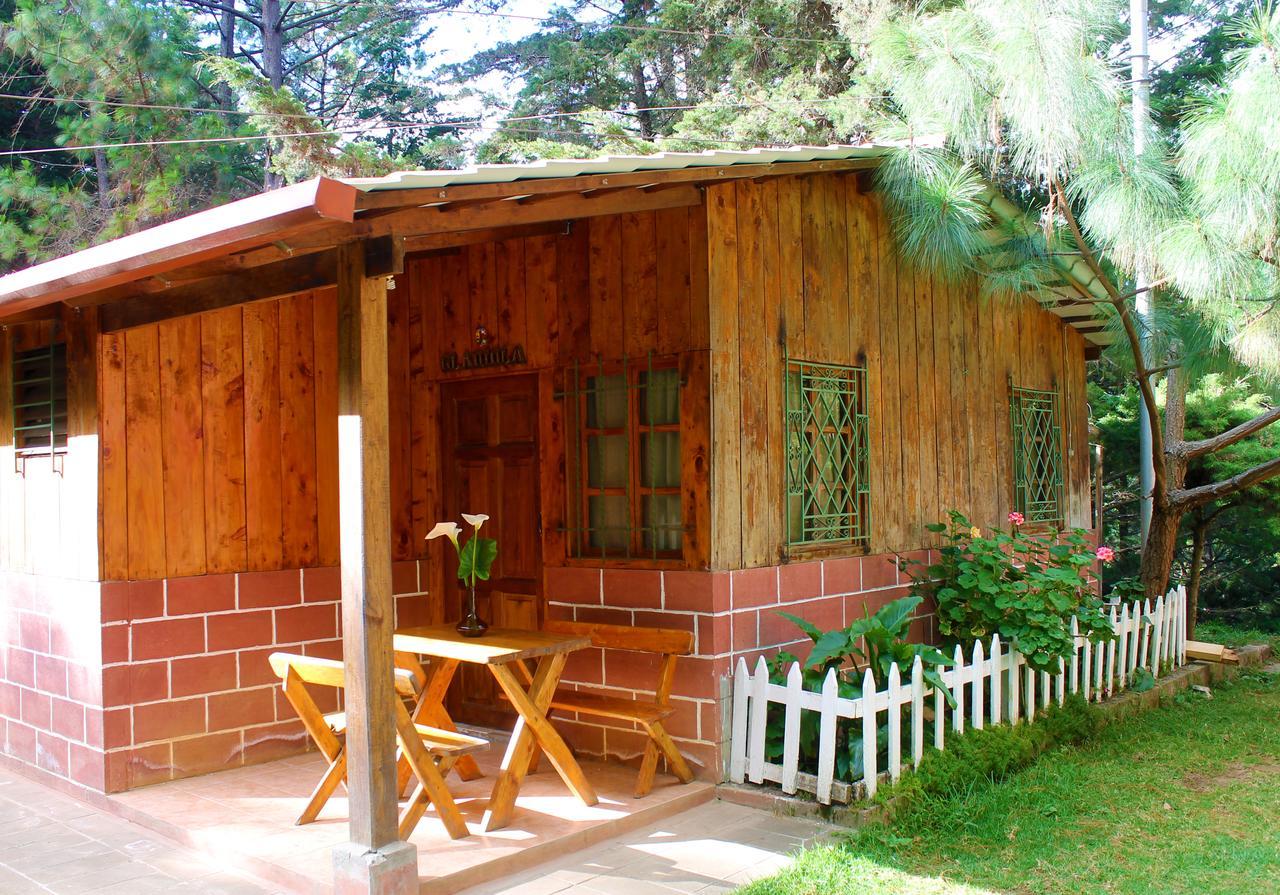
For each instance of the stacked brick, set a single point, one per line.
(731, 614)
(116, 685)
(51, 713)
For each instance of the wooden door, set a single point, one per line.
(490, 455)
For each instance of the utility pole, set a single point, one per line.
(1140, 61)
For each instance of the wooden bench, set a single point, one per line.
(649, 714)
(428, 753)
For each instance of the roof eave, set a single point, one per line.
(188, 240)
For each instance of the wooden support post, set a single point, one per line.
(374, 861)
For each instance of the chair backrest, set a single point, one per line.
(667, 641)
(330, 672)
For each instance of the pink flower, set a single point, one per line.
(1106, 554)
(1017, 518)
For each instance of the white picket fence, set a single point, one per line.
(994, 683)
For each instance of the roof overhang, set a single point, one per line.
(200, 261)
(166, 247)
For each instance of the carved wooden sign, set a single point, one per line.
(479, 358)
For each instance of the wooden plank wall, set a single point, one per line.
(803, 267)
(219, 430)
(214, 453)
(49, 508)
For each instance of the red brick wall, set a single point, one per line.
(51, 686)
(185, 682)
(731, 614)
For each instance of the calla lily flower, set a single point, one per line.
(475, 520)
(448, 530)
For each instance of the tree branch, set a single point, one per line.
(1120, 303)
(214, 6)
(1190, 498)
(1193, 449)
(1149, 287)
(312, 22)
(324, 51)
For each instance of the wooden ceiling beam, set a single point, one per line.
(403, 198)
(270, 281)
(424, 221)
(436, 241)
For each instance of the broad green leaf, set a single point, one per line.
(476, 557)
(808, 627)
(897, 614)
(833, 645)
(935, 679)
(928, 655)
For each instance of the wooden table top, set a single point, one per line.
(496, 647)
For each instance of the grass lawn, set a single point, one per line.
(1185, 799)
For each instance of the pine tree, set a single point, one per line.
(104, 73)
(1027, 99)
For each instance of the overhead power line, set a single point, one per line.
(405, 126)
(117, 104)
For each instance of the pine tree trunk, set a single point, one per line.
(273, 64)
(273, 43)
(1199, 538)
(1175, 427)
(227, 32)
(1162, 543)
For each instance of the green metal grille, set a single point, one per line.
(623, 425)
(828, 453)
(1037, 454)
(39, 400)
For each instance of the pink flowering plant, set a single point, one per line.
(1024, 585)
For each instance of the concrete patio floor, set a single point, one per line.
(707, 850)
(53, 844)
(244, 817)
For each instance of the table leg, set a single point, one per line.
(532, 727)
(430, 710)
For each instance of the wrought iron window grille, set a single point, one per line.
(828, 489)
(1037, 454)
(623, 469)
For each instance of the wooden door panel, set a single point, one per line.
(490, 465)
(472, 417)
(517, 417)
(519, 488)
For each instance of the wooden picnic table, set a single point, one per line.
(503, 651)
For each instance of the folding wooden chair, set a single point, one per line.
(427, 752)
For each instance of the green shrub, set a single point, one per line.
(875, 641)
(1024, 586)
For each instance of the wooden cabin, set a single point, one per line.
(689, 389)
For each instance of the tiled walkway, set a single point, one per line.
(51, 843)
(707, 850)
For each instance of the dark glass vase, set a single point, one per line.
(472, 625)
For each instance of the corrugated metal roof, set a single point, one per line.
(612, 164)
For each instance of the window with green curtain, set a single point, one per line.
(1037, 454)
(828, 495)
(623, 421)
(39, 400)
